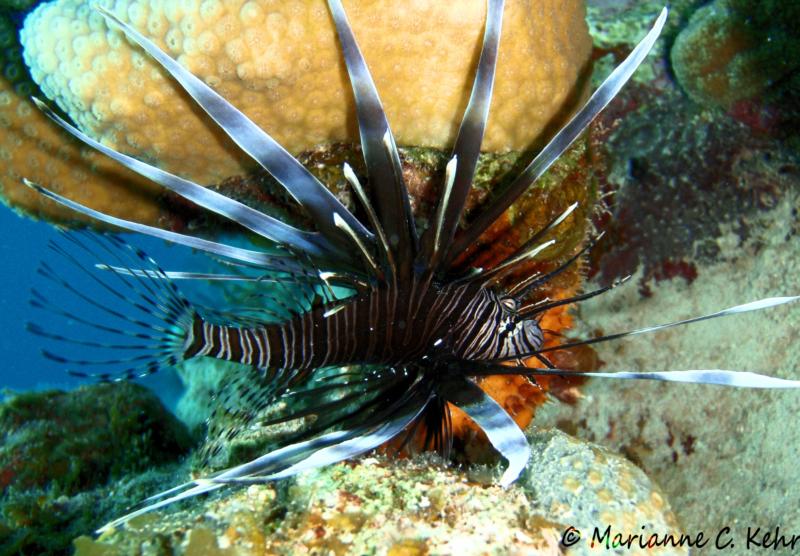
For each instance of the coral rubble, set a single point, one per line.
(703, 211)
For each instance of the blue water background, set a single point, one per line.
(23, 244)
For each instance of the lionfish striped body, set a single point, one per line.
(461, 322)
(411, 331)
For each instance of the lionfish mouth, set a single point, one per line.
(345, 358)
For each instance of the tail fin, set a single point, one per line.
(127, 306)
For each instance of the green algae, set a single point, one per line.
(615, 31)
(76, 440)
(18, 5)
(70, 460)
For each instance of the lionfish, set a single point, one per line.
(411, 334)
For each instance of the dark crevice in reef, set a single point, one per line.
(679, 176)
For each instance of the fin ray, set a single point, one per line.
(470, 134)
(718, 377)
(254, 141)
(162, 323)
(500, 428)
(257, 258)
(757, 305)
(252, 219)
(378, 145)
(564, 138)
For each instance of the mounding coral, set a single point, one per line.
(280, 64)
(31, 146)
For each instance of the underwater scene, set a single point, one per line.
(339, 277)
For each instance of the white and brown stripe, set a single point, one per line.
(385, 327)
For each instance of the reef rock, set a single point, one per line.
(81, 438)
(414, 507)
(59, 449)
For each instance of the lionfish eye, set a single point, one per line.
(509, 303)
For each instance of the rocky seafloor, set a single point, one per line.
(705, 186)
(702, 185)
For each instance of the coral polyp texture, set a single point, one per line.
(279, 63)
(32, 147)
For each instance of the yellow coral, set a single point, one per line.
(280, 63)
(31, 146)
